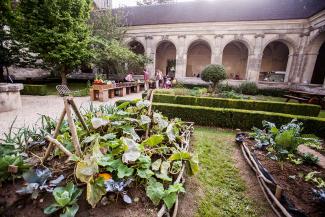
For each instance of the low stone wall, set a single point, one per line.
(10, 96)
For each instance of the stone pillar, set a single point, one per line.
(151, 53)
(255, 59)
(181, 57)
(216, 54)
(308, 68)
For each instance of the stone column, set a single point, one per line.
(181, 57)
(255, 59)
(151, 53)
(308, 68)
(216, 54)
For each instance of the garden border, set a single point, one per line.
(257, 105)
(237, 118)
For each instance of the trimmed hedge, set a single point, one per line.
(237, 118)
(34, 89)
(279, 107)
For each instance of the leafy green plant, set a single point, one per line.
(230, 94)
(66, 199)
(314, 178)
(310, 159)
(249, 88)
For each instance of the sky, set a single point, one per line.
(118, 3)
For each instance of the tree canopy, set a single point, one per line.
(56, 30)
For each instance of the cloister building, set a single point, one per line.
(265, 41)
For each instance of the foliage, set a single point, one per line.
(230, 94)
(111, 54)
(109, 26)
(213, 73)
(66, 199)
(56, 31)
(236, 118)
(15, 143)
(116, 153)
(316, 179)
(310, 159)
(277, 107)
(249, 88)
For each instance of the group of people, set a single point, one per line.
(161, 81)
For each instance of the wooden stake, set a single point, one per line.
(74, 135)
(59, 145)
(278, 192)
(56, 133)
(75, 109)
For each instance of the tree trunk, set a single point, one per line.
(64, 80)
(2, 77)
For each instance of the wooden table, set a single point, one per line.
(306, 96)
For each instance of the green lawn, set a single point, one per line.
(224, 190)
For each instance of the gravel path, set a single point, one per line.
(33, 106)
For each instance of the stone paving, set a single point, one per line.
(33, 106)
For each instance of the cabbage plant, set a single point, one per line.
(66, 200)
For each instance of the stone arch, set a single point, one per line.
(274, 65)
(293, 48)
(291, 44)
(136, 46)
(234, 58)
(166, 57)
(241, 40)
(198, 57)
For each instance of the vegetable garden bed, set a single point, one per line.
(131, 163)
(292, 182)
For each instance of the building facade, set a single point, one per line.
(271, 42)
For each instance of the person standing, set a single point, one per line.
(146, 79)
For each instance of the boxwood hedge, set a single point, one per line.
(237, 118)
(278, 107)
(34, 89)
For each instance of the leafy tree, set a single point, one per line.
(151, 2)
(112, 55)
(7, 53)
(57, 31)
(213, 73)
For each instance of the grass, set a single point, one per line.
(224, 190)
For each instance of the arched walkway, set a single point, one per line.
(198, 57)
(234, 59)
(166, 57)
(274, 62)
(319, 69)
(137, 48)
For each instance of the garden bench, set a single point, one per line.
(300, 99)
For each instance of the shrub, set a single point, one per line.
(226, 87)
(33, 89)
(237, 118)
(82, 92)
(230, 94)
(279, 107)
(249, 88)
(277, 92)
(214, 73)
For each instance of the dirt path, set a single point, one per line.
(253, 189)
(32, 106)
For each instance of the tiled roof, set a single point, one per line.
(222, 11)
